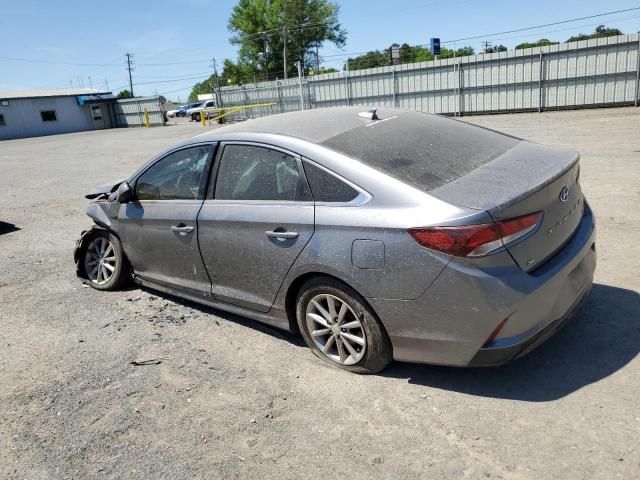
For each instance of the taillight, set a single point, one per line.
(476, 240)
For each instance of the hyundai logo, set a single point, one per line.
(564, 194)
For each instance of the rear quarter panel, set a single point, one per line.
(406, 272)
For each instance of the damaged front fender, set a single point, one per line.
(104, 213)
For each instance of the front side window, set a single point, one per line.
(2, 121)
(48, 116)
(178, 176)
(248, 172)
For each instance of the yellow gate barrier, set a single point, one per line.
(223, 112)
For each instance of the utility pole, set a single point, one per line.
(300, 81)
(317, 61)
(106, 82)
(218, 92)
(90, 84)
(265, 47)
(130, 68)
(487, 45)
(284, 49)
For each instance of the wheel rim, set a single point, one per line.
(100, 261)
(335, 329)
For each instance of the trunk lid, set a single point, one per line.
(526, 179)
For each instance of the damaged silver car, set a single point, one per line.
(377, 235)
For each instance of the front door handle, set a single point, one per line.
(182, 229)
(281, 235)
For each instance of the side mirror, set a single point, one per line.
(123, 194)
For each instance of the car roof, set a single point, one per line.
(314, 125)
(420, 149)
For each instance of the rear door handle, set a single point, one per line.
(182, 229)
(281, 235)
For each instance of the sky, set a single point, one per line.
(58, 44)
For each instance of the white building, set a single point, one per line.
(33, 113)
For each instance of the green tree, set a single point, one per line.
(124, 94)
(232, 74)
(600, 31)
(495, 49)
(372, 59)
(408, 54)
(543, 42)
(258, 28)
(460, 52)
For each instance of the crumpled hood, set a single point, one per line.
(104, 190)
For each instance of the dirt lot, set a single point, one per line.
(234, 399)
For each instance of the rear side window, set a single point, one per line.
(327, 187)
(249, 172)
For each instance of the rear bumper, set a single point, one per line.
(492, 357)
(450, 323)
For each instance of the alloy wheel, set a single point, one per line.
(335, 329)
(100, 260)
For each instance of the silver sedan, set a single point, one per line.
(376, 235)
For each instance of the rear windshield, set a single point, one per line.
(424, 151)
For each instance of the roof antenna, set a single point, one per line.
(370, 114)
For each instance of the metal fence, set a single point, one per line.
(588, 73)
(129, 112)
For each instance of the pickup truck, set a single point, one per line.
(196, 112)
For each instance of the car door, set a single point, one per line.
(158, 228)
(255, 221)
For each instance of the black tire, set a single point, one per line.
(378, 351)
(197, 117)
(121, 275)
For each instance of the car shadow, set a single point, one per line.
(602, 338)
(7, 228)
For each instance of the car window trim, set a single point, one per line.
(210, 195)
(204, 181)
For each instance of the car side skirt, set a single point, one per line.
(275, 317)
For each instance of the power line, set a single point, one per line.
(555, 30)
(171, 63)
(173, 81)
(542, 26)
(170, 77)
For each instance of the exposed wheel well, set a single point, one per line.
(294, 289)
(86, 238)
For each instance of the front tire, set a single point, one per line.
(340, 328)
(104, 264)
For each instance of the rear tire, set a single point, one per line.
(340, 328)
(104, 264)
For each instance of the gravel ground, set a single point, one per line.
(234, 399)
